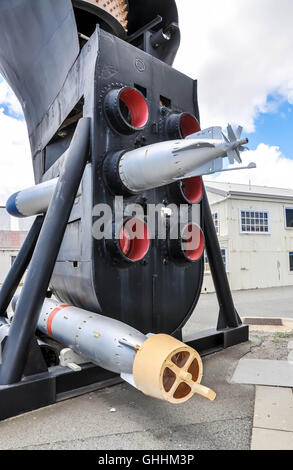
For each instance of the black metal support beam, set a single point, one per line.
(60, 383)
(228, 316)
(211, 341)
(19, 266)
(44, 258)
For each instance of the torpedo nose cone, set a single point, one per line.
(11, 206)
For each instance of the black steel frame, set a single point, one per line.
(230, 330)
(37, 390)
(44, 389)
(23, 327)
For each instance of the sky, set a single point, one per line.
(241, 54)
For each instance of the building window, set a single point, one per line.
(224, 257)
(291, 261)
(216, 222)
(254, 221)
(289, 217)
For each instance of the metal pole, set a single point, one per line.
(228, 317)
(44, 258)
(19, 266)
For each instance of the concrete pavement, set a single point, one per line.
(273, 419)
(140, 422)
(276, 302)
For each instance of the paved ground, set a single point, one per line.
(139, 422)
(273, 419)
(275, 302)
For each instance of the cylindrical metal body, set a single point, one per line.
(32, 201)
(163, 163)
(145, 168)
(108, 343)
(158, 365)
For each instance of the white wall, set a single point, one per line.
(13, 232)
(254, 260)
(220, 205)
(260, 260)
(5, 262)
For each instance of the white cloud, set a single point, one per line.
(8, 98)
(15, 157)
(240, 51)
(273, 169)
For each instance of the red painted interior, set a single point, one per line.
(193, 235)
(134, 239)
(192, 189)
(137, 107)
(188, 125)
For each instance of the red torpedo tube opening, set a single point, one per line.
(136, 107)
(126, 109)
(193, 242)
(188, 125)
(134, 239)
(192, 188)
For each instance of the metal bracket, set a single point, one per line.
(68, 358)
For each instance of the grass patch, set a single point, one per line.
(284, 335)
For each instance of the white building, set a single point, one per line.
(12, 234)
(255, 229)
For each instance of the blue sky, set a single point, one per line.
(240, 56)
(10, 112)
(9, 102)
(275, 129)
